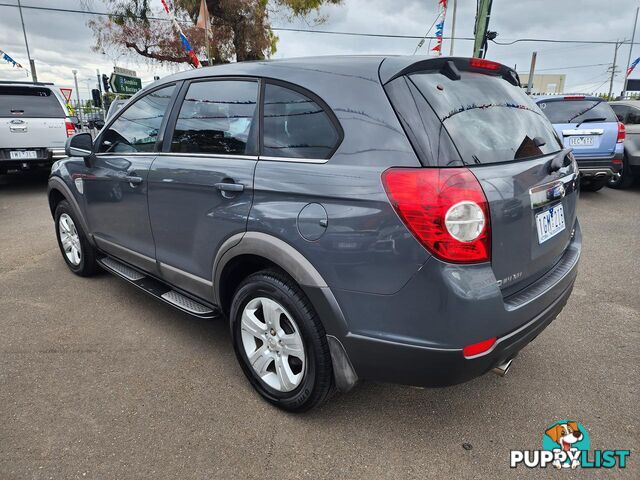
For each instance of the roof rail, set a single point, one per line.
(15, 82)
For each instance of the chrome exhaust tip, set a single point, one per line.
(502, 369)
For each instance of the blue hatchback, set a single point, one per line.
(589, 126)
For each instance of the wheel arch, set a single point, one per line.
(58, 191)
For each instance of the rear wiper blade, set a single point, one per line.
(591, 119)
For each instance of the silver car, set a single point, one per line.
(628, 112)
(34, 126)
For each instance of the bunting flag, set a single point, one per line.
(632, 66)
(437, 49)
(5, 56)
(183, 38)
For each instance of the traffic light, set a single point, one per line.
(97, 97)
(105, 83)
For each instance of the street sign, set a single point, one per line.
(66, 93)
(125, 71)
(633, 84)
(124, 84)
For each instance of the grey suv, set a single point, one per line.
(393, 219)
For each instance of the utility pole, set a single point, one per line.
(532, 69)
(79, 107)
(613, 67)
(453, 28)
(633, 37)
(32, 64)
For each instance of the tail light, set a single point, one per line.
(479, 348)
(484, 64)
(71, 129)
(445, 209)
(622, 132)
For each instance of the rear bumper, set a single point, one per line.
(591, 167)
(417, 335)
(45, 157)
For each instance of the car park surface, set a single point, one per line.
(155, 393)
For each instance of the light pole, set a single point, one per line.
(453, 28)
(79, 107)
(32, 64)
(633, 37)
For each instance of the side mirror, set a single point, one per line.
(80, 145)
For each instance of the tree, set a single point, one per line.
(239, 29)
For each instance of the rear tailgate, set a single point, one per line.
(30, 118)
(510, 146)
(588, 126)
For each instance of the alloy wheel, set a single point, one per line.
(273, 344)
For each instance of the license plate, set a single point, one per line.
(580, 141)
(22, 154)
(550, 223)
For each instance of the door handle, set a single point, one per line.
(229, 187)
(132, 179)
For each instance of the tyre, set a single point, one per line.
(624, 179)
(280, 342)
(594, 185)
(76, 250)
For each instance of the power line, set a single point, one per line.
(329, 32)
(569, 68)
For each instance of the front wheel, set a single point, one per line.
(76, 250)
(280, 342)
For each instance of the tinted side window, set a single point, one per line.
(621, 112)
(633, 118)
(296, 126)
(217, 117)
(136, 130)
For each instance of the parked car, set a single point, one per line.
(391, 219)
(588, 125)
(33, 126)
(628, 112)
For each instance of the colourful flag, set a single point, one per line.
(632, 66)
(437, 49)
(185, 43)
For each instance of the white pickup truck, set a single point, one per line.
(34, 126)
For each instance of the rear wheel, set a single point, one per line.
(76, 250)
(280, 342)
(594, 185)
(624, 179)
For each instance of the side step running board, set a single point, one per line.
(157, 288)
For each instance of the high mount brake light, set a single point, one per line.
(622, 132)
(574, 97)
(445, 209)
(484, 64)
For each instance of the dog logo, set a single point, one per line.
(567, 437)
(566, 444)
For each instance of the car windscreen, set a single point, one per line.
(488, 119)
(576, 111)
(29, 102)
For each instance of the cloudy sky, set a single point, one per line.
(60, 42)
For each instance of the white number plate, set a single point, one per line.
(580, 141)
(550, 223)
(22, 154)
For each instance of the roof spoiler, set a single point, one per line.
(394, 67)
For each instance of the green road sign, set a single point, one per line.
(124, 84)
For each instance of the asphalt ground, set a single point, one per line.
(99, 380)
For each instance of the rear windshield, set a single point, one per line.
(488, 119)
(577, 111)
(29, 102)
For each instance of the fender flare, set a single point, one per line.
(311, 282)
(56, 183)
